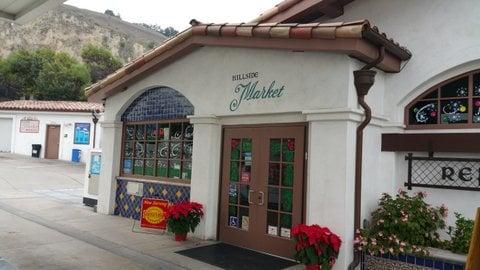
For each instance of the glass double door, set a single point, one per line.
(262, 187)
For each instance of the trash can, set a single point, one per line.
(76, 155)
(36, 150)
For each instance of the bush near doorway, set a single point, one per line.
(402, 224)
(316, 247)
(183, 218)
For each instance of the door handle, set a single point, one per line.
(249, 196)
(261, 197)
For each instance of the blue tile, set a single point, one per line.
(158, 104)
(438, 265)
(129, 206)
(448, 266)
(402, 258)
(458, 267)
(411, 259)
(429, 262)
(420, 261)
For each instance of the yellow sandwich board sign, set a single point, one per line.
(473, 259)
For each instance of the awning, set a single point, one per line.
(432, 142)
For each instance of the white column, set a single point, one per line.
(331, 174)
(111, 147)
(207, 141)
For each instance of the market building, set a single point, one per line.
(62, 130)
(259, 121)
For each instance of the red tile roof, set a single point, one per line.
(267, 35)
(298, 10)
(54, 106)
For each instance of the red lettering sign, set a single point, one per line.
(152, 214)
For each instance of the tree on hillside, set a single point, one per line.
(99, 61)
(7, 92)
(45, 75)
(109, 12)
(168, 32)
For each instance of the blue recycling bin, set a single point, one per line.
(76, 155)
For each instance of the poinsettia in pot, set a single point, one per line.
(316, 247)
(183, 218)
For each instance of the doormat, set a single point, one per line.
(235, 258)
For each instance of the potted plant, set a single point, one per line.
(183, 218)
(316, 247)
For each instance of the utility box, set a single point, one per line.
(92, 177)
(36, 148)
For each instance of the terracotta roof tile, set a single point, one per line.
(301, 32)
(54, 106)
(350, 30)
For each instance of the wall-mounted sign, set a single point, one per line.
(441, 172)
(82, 133)
(249, 88)
(29, 125)
(152, 214)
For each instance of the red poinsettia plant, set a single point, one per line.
(183, 217)
(317, 247)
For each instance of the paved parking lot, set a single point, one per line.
(44, 225)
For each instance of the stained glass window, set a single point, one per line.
(454, 103)
(280, 187)
(239, 187)
(156, 152)
(157, 138)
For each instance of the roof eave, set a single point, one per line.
(354, 47)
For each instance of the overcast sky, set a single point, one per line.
(178, 13)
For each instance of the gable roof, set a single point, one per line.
(302, 11)
(357, 39)
(50, 106)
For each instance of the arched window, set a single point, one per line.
(157, 137)
(454, 103)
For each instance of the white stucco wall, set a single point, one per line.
(442, 35)
(22, 142)
(443, 46)
(319, 90)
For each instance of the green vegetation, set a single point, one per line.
(403, 224)
(168, 32)
(44, 74)
(460, 235)
(99, 61)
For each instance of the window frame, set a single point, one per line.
(470, 97)
(167, 179)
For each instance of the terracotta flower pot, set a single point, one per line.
(180, 237)
(312, 267)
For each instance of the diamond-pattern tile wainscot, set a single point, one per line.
(408, 262)
(128, 206)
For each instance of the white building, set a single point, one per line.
(274, 111)
(58, 127)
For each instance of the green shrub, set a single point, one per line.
(460, 235)
(402, 224)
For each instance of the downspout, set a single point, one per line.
(363, 80)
